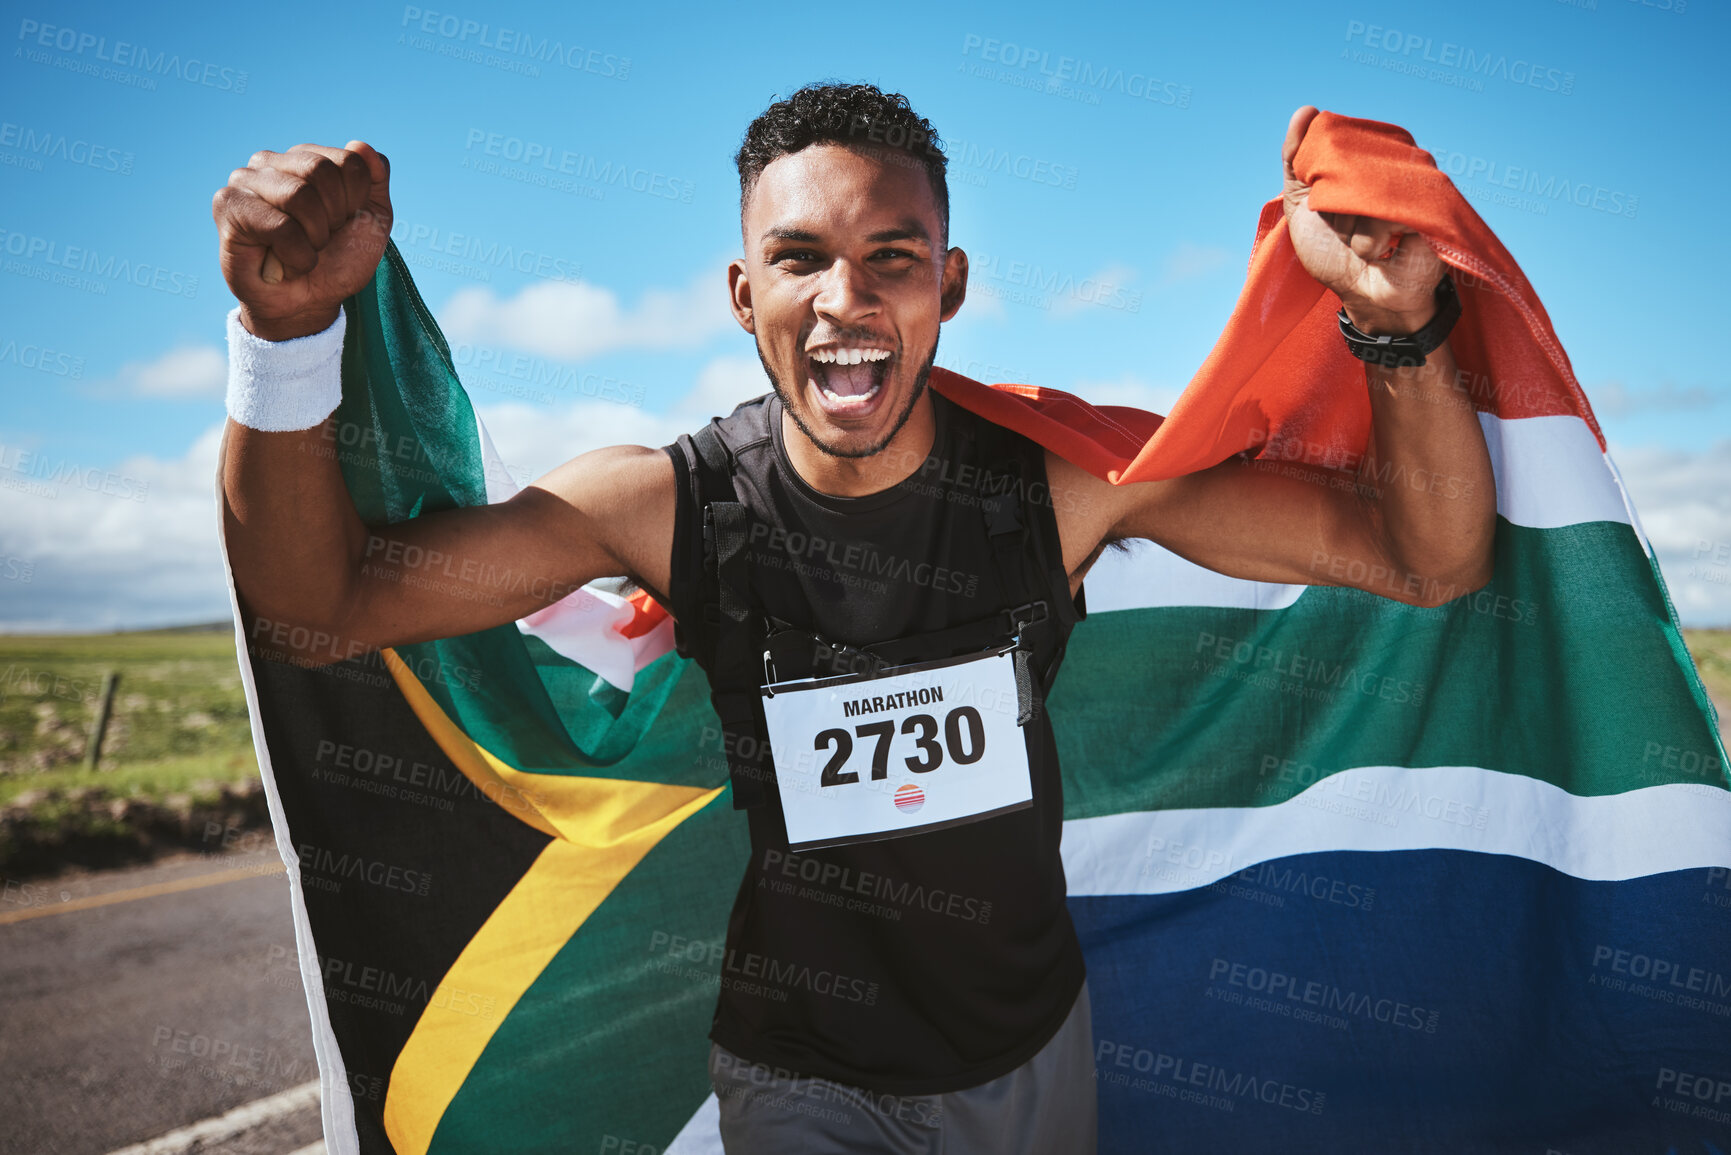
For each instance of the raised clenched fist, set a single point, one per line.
(1384, 272)
(300, 231)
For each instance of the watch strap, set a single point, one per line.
(1409, 351)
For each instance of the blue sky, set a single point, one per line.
(117, 125)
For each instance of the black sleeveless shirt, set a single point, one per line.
(928, 962)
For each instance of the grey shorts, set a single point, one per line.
(1044, 1107)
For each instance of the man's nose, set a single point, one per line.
(846, 295)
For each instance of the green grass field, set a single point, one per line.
(179, 716)
(1712, 650)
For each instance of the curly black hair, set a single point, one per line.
(861, 116)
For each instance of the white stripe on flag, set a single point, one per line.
(1146, 575)
(1605, 837)
(1550, 473)
(501, 486)
(585, 627)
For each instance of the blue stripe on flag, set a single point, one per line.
(1416, 1001)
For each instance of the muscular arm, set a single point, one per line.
(1414, 521)
(302, 557)
(299, 232)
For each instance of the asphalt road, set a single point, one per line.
(129, 1008)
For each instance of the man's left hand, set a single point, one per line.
(1384, 273)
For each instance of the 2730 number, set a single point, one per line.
(964, 741)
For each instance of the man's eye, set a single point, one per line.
(802, 256)
(895, 254)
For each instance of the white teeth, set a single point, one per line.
(849, 356)
(854, 399)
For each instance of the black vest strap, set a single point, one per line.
(1008, 532)
(734, 676)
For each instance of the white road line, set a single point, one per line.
(225, 1126)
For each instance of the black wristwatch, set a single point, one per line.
(1406, 352)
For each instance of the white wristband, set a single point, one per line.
(278, 386)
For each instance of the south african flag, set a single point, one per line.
(1350, 875)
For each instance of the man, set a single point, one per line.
(967, 1030)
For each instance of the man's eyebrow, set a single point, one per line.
(910, 231)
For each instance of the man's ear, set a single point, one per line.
(955, 284)
(739, 296)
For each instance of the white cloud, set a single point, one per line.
(186, 372)
(533, 439)
(124, 546)
(1684, 502)
(572, 320)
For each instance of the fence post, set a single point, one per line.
(100, 726)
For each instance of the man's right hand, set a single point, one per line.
(314, 218)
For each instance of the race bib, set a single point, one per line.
(920, 747)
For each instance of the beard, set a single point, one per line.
(787, 395)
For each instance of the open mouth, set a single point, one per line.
(848, 381)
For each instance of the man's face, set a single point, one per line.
(843, 283)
